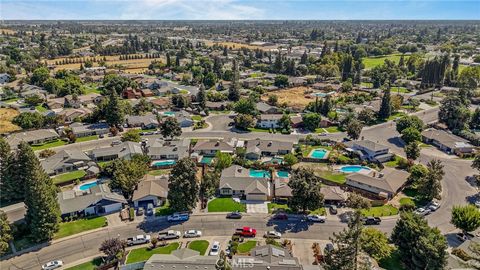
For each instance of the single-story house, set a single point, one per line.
(267, 257)
(147, 121)
(27, 90)
(161, 103)
(15, 212)
(184, 258)
(269, 120)
(331, 194)
(32, 137)
(84, 130)
(152, 189)
(216, 106)
(175, 149)
(211, 147)
(264, 108)
(296, 121)
(124, 150)
(97, 200)
(56, 103)
(447, 142)
(385, 184)
(65, 161)
(250, 83)
(70, 114)
(297, 81)
(184, 119)
(368, 150)
(147, 93)
(237, 181)
(91, 98)
(257, 148)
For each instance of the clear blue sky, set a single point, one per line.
(240, 9)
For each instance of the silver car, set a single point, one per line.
(192, 233)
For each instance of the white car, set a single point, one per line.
(477, 203)
(316, 218)
(423, 211)
(52, 265)
(215, 249)
(434, 206)
(192, 233)
(272, 234)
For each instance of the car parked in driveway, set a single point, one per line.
(423, 211)
(333, 209)
(192, 234)
(316, 218)
(140, 211)
(272, 234)
(215, 249)
(234, 215)
(52, 265)
(433, 206)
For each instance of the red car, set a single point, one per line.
(280, 216)
(246, 232)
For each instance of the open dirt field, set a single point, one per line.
(236, 45)
(6, 116)
(7, 31)
(294, 97)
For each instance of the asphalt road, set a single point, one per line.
(76, 248)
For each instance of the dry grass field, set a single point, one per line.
(236, 45)
(294, 97)
(6, 116)
(7, 31)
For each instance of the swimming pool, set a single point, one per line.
(353, 168)
(206, 160)
(318, 153)
(163, 163)
(320, 94)
(274, 160)
(259, 173)
(283, 174)
(169, 113)
(88, 185)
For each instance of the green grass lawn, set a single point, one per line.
(103, 164)
(392, 262)
(399, 89)
(164, 210)
(247, 246)
(91, 265)
(66, 177)
(277, 206)
(143, 254)
(333, 129)
(81, 225)
(373, 61)
(87, 138)
(10, 100)
(196, 117)
(339, 178)
(394, 162)
(395, 115)
(199, 245)
(47, 145)
(320, 211)
(91, 88)
(407, 201)
(40, 108)
(380, 211)
(254, 129)
(159, 172)
(225, 205)
(366, 84)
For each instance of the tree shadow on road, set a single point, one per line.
(152, 226)
(291, 225)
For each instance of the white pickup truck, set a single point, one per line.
(169, 235)
(138, 240)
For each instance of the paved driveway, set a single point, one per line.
(257, 207)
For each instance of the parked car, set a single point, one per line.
(192, 233)
(171, 234)
(316, 218)
(215, 249)
(272, 234)
(246, 232)
(333, 209)
(178, 217)
(281, 216)
(433, 206)
(423, 211)
(372, 221)
(52, 265)
(117, 142)
(234, 215)
(149, 209)
(138, 240)
(140, 211)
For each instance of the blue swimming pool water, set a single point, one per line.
(319, 153)
(164, 163)
(259, 173)
(283, 174)
(319, 94)
(353, 168)
(206, 160)
(88, 185)
(169, 113)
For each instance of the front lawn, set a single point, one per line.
(394, 162)
(40, 108)
(225, 205)
(380, 211)
(320, 211)
(81, 225)
(47, 145)
(396, 115)
(66, 177)
(199, 245)
(333, 129)
(196, 117)
(254, 129)
(164, 210)
(399, 89)
(339, 178)
(247, 246)
(143, 254)
(159, 172)
(91, 265)
(87, 138)
(276, 206)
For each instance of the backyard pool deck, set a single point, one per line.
(314, 153)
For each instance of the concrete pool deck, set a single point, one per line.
(338, 168)
(325, 156)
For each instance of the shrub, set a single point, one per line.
(461, 254)
(131, 214)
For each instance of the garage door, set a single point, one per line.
(256, 197)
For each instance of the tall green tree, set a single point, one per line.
(311, 121)
(412, 150)
(430, 187)
(43, 211)
(375, 243)
(169, 128)
(454, 113)
(39, 76)
(126, 174)
(411, 135)
(420, 246)
(182, 185)
(354, 129)
(306, 190)
(386, 106)
(409, 121)
(114, 113)
(466, 217)
(11, 187)
(5, 233)
(210, 184)
(201, 97)
(222, 161)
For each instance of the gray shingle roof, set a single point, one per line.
(181, 259)
(267, 257)
(31, 136)
(450, 140)
(74, 200)
(122, 150)
(64, 157)
(372, 146)
(391, 180)
(257, 145)
(238, 178)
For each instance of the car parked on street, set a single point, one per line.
(372, 221)
(52, 265)
(272, 234)
(192, 234)
(138, 240)
(433, 206)
(316, 218)
(234, 215)
(423, 211)
(168, 235)
(176, 217)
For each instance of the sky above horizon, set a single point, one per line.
(239, 10)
